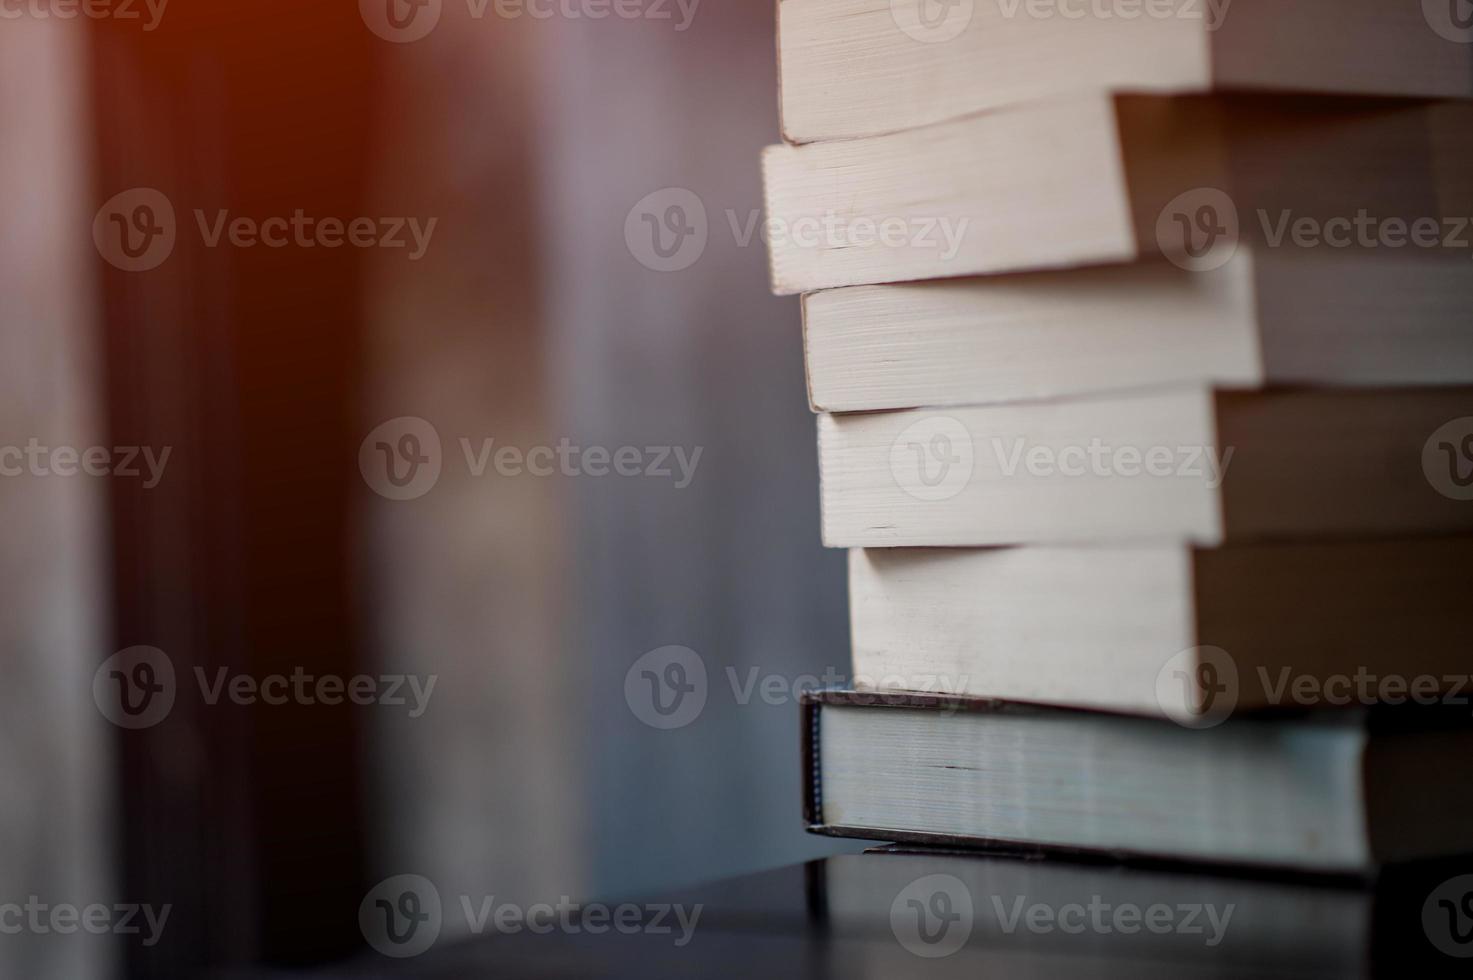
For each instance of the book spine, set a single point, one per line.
(812, 784)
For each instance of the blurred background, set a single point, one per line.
(240, 445)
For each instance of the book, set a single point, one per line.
(861, 67)
(1339, 793)
(1194, 635)
(1267, 317)
(1099, 178)
(1184, 463)
(1145, 401)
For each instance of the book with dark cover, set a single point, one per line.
(1333, 793)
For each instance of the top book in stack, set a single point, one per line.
(864, 67)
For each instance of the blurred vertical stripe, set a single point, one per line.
(56, 810)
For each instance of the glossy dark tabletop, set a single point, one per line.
(899, 913)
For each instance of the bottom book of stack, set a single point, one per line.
(1338, 791)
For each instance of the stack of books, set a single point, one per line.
(1142, 348)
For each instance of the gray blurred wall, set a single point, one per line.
(532, 322)
(481, 794)
(55, 790)
(730, 566)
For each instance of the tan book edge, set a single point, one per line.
(854, 68)
(1100, 179)
(1142, 629)
(1173, 464)
(1266, 317)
